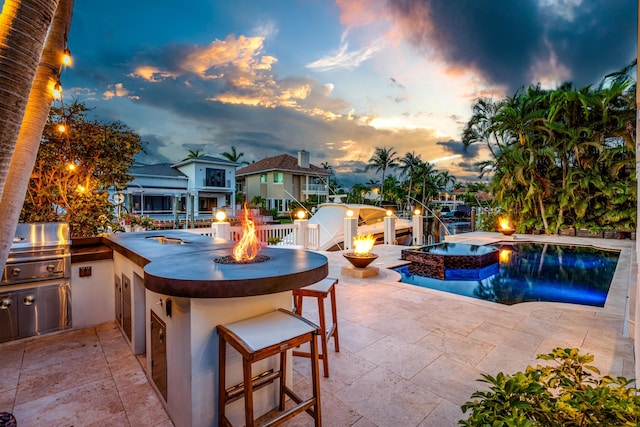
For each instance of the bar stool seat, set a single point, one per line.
(320, 290)
(260, 337)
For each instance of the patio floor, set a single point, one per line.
(408, 356)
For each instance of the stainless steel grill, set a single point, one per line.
(35, 292)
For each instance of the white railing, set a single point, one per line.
(277, 232)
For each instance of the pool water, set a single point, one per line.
(532, 272)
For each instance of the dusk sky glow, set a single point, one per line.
(337, 79)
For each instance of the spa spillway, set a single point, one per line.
(435, 260)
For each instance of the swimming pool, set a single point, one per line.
(532, 272)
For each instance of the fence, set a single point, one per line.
(296, 234)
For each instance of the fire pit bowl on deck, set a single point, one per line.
(360, 260)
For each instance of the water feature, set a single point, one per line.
(531, 272)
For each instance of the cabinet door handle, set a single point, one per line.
(5, 303)
(29, 300)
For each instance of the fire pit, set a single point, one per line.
(506, 228)
(361, 257)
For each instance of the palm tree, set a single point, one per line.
(25, 105)
(383, 158)
(194, 154)
(234, 156)
(409, 165)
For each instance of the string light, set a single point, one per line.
(62, 128)
(57, 90)
(66, 57)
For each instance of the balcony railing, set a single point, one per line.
(315, 189)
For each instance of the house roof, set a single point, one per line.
(160, 169)
(205, 159)
(283, 162)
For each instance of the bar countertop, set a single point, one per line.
(181, 264)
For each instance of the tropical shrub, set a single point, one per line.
(565, 394)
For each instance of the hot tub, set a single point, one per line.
(435, 260)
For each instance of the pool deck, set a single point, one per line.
(409, 356)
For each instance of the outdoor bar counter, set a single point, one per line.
(177, 295)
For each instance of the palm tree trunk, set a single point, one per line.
(23, 30)
(543, 214)
(36, 97)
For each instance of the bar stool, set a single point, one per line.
(260, 337)
(320, 290)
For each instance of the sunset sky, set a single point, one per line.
(337, 79)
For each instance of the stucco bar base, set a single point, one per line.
(359, 273)
(192, 355)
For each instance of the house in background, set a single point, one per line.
(283, 179)
(193, 187)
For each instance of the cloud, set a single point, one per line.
(345, 59)
(117, 90)
(518, 43)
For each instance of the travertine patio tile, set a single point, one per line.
(398, 356)
(344, 368)
(407, 330)
(89, 403)
(507, 360)
(386, 399)
(61, 376)
(11, 355)
(457, 347)
(7, 399)
(60, 348)
(506, 336)
(445, 414)
(354, 336)
(449, 379)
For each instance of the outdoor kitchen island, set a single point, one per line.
(170, 295)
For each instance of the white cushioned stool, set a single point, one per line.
(260, 337)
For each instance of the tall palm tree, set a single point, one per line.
(409, 165)
(234, 156)
(25, 104)
(381, 160)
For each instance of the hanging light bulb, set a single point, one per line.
(62, 128)
(57, 90)
(66, 57)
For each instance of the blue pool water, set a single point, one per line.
(532, 272)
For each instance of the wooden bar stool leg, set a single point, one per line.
(334, 316)
(222, 393)
(283, 370)
(323, 340)
(315, 380)
(248, 393)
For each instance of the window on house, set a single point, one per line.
(263, 177)
(215, 178)
(278, 177)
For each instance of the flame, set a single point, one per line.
(363, 243)
(505, 256)
(248, 246)
(505, 225)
